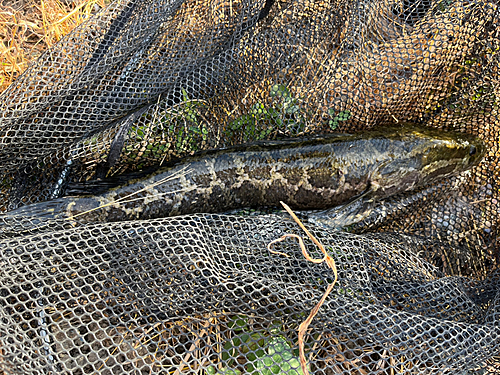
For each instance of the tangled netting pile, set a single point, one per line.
(147, 82)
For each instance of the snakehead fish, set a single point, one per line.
(306, 174)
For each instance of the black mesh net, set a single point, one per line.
(154, 297)
(148, 83)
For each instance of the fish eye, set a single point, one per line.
(472, 150)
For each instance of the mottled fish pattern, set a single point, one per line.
(306, 174)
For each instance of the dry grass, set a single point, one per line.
(29, 27)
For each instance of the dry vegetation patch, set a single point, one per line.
(29, 27)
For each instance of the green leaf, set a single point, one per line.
(185, 96)
(228, 345)
(245, 337)
(194, 129)
(292, 109)
(344, 115)
(258, 109)
(263, 134)
(260, 353)
(341, 116)
(241, 121)
(273, 112)
(280, 91)
(223, 371)
(276, 358)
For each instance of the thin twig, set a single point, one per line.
(329, 261)
(125, 199)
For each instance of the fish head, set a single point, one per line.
(423, 156)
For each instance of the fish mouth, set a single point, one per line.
(443, 169)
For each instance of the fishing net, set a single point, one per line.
(144, 83)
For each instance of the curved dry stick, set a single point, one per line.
(329, 261)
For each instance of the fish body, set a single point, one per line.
(306, 174)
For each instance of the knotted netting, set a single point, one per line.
(144, 83)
